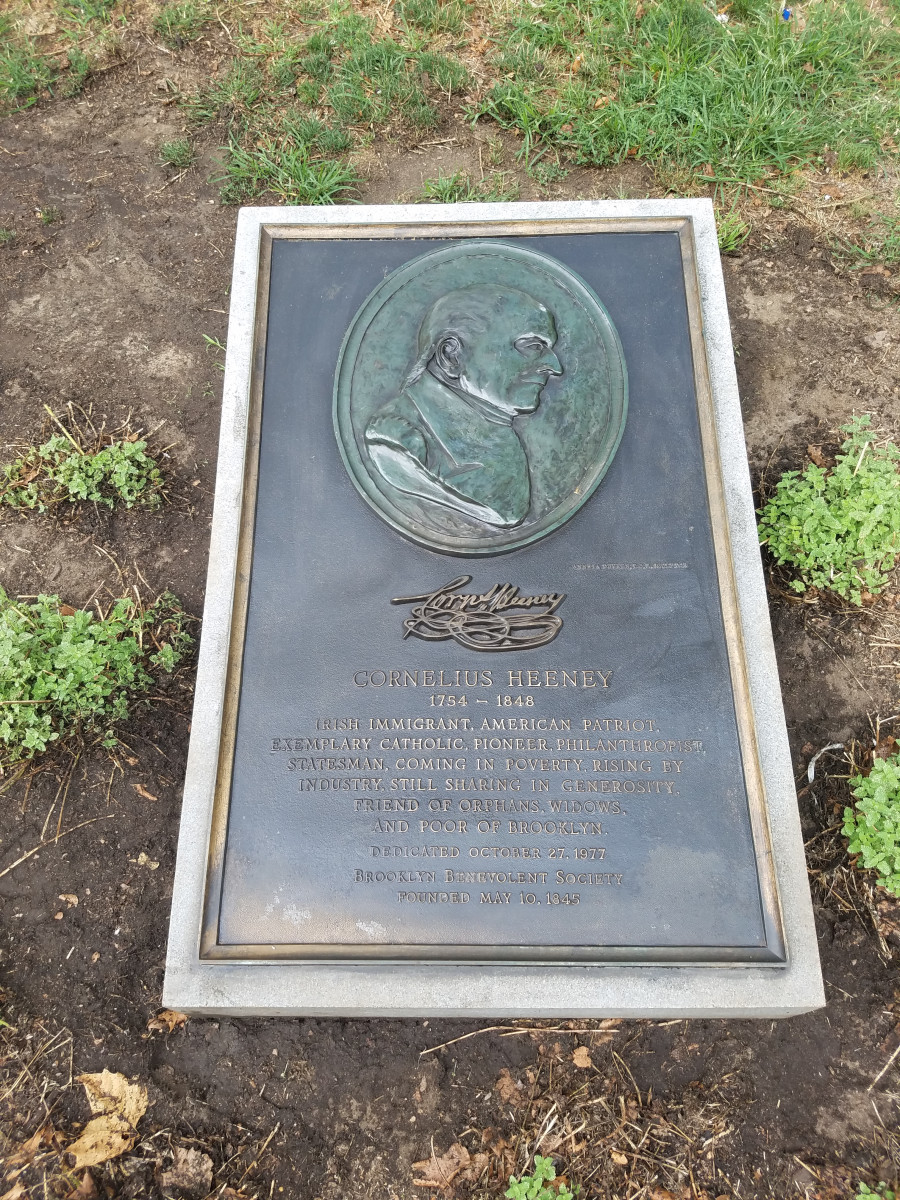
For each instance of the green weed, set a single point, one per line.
(60, 471)
(882, 1192)
(178, 153)
(546, 171)
(50, 215)
(7, 236)
(602, 82)
(873, 827)
(178, 24)
(461, 188)
(531, 1187)
(65, 672)
(839, 528)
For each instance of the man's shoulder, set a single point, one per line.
(398, 423)
(400, 406)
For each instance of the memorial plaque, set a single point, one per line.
(486, 697)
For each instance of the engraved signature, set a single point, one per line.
(483, 621)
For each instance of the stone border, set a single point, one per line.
(434, 989)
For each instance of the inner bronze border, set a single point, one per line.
(774, 953)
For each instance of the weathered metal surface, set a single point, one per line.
(543, 756)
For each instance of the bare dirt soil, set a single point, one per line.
(107, 308)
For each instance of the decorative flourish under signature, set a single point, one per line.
(482, 621)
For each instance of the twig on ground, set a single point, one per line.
(885, 1068)
(41, 845)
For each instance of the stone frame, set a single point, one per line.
(498, 989)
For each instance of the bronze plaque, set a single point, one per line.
(487, 697)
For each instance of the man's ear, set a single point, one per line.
(448, 355)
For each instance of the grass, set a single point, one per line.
(603, 83)
(24, 71)
(178, 24)
(64, 470)
(580, 81)
(732, 230)
(84, 33)
(433, 16)
(358, 83)
(178, 153)
(288, 170)
(878, 242)
(66, 672)
(461, 188)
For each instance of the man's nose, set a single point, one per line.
(550, 363)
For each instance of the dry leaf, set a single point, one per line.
(110, 1092)
(619, 1159)
(15, 1192)
(86, 1190)
(66, 610)
(477, 1166)
(118, 1106)
(167, 1021)
(661, 1193)
(191, 1172)
(441, 1169)
(581, 1057)
(815, 453)
(494, 1141)
(101, 1139)
(888, 920)
(576, 63)
(509, 1091)
(24, 1156)
(70, 898)
(142, 791)
(143, 860)
(885, 747)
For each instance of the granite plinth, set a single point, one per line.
(624, 832)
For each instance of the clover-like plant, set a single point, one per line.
(64, 671)
(839, 528)
(873, 823)
(531, 1187)
(60, 470)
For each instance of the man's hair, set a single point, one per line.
(465, 312)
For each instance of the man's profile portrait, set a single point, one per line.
(443, 415)
(484, 355)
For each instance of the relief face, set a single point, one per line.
(479, 398)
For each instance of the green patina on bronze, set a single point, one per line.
(480, 396)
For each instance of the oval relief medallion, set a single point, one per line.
(480, 396)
